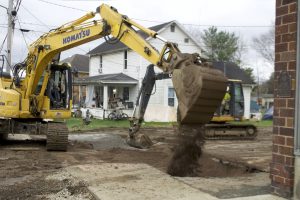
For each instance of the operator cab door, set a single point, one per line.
(237, 100)
(59, 87)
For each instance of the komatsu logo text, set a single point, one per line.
(82, 34)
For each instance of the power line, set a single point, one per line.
(63, 6)
(2, 45)
(22, 34)
(4, 7)
(2, 26)
(36, 24)
(17, 7)
(185, 24)
(43, 24)
(209, 25)
(35, 31)
(28, 36)
(230, 26)
(30, 23)
(35, 17)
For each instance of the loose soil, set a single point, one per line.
(25, 165)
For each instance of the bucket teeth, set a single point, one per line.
(200, 91)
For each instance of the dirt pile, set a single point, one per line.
(185, 159)
(189, 159)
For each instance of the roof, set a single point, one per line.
(107, 78)
(108, 48)
(233, 71)
(78, 62)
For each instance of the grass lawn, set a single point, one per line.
(76, 124)
(263, 123)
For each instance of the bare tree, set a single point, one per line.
(265, 45)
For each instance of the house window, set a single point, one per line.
(100, 65)
(186, 40)
(125, 59)
(125, 93)
(171, 97)
(172, 27)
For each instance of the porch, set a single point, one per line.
(106, 93)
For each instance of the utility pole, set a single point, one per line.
(258, 86)
(10, 31)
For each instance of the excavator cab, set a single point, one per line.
(237, 100)
(59, 87)
(232, 107)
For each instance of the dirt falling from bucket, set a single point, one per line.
(187, 153)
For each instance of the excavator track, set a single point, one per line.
(57, 137)
(230, 132)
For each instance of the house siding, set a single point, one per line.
(247, 100)
(94, 65)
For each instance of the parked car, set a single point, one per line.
(268, 114)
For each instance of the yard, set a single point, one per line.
(76, 124)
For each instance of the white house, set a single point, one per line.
(265, 100)
(123, 71)
(116, 73)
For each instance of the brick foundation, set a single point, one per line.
(283, 160)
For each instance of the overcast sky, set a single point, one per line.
(247, 18)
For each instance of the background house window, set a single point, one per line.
(100, 66)
(172, 27)
(125, 59)
(186, 40)
(171, 97)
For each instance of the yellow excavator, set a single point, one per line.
(38, 95)
(231, 110)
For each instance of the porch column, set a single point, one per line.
(105, 97)
(79, 94)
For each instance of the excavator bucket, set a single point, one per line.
(199, 89)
